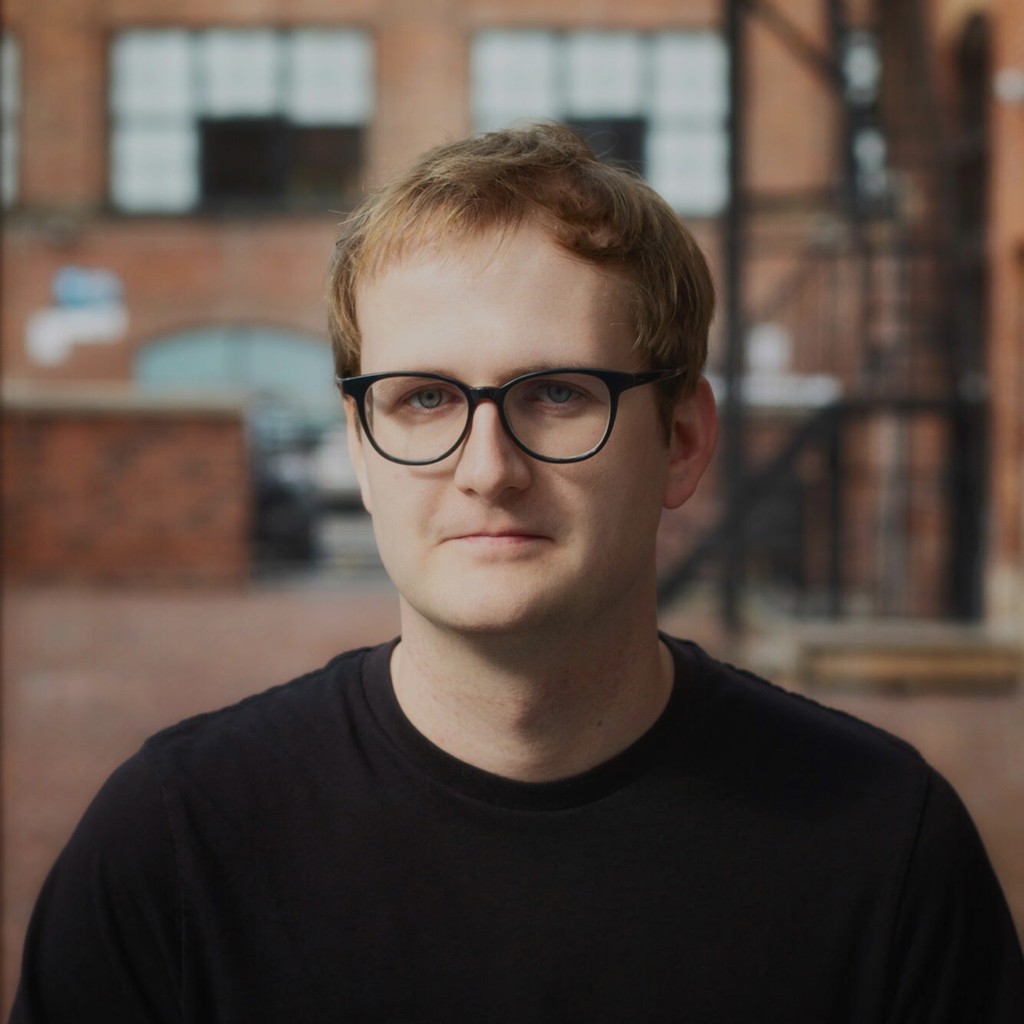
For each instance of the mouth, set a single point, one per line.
(497, 537)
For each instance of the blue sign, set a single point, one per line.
(80, 287)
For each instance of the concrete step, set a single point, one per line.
(908, 657)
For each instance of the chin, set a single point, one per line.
(495, 612)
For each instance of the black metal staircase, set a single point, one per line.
(881, 486)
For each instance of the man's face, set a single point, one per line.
(490, 540)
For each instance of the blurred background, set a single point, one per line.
(181, 525)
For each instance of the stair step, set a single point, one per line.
(914, 657)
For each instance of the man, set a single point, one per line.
(532, 806)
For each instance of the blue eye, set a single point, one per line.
(428, 398)
(557, 392)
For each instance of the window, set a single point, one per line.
(291, 369)
(238, 119)
(10, 107)
(656, 102)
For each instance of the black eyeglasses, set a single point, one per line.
(562, 415)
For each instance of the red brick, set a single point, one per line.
(127, 494)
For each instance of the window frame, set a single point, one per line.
(662, 126)
(285, 38)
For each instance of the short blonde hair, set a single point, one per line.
(541, 173)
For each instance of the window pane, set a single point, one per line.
(199, 359)
(605, 74)
(689, 168)
(331, 79)
(244, 162)
(295, 368)
(154, 168)
(691, 76)
(241, 72)
(514, 75)
(10, 81)
(9, 165)
(615, 139)
(151, 74)
(325, 168)
(10, 77)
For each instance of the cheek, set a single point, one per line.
(633, 475)
(394, 522)
(619, 505)
(629, 512)
(400, 501)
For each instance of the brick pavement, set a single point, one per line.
(89, 673)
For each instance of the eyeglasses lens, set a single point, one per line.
(558, 416)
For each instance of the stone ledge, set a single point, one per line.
(109, 398)
(908, 657)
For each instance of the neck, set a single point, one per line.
(530, 706)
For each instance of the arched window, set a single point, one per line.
(288, 377)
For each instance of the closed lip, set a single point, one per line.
(510, 534)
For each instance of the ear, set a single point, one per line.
(357, 450)
(694, 433)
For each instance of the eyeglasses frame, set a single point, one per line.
(616, 381)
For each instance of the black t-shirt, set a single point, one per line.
(307, 855)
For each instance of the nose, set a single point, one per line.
(489, 462)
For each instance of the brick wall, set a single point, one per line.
(110, 487)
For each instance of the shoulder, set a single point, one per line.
(173, 821)
(276, 723)
(248, 762)
(840, 799)
(777, 744)
(749, 702)
(227, 751)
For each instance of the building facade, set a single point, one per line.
(174, 177)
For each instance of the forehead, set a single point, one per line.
(504, 299)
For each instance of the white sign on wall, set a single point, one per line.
(87, 309)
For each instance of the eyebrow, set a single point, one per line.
(568, 364)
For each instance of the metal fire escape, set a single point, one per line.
(900, 273)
